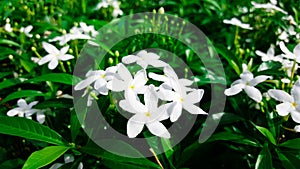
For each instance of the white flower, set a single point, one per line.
(297, 128)
(144, 59)
(8, 28)
(236, 22)
(88, 29)
(100, 77)
(170, 74)
(54, 55)
(181, 100)
(124, 81)
(268, 6)
(288, 54)
(26, 30)
(26, 110)
(75, 33)
(291, 103)
(269, 56)
(288, 65)
(247, 83)
(68, 158)
(114, 3)
(148, 114)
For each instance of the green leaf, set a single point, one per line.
(168, 150)
(264, 159)
(266, 133)
(3, 74)
(58, 103)
(233, 137)
(13, 163)
(75, 125)
(9, 42)
(9, 83)
(113, 159)
(293, 144)
(285, 161)
(22, 127)
(22, 93)
(58, 78)
(44, 157)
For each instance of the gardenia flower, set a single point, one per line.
(247, 83)
(144, 59)
(269, 56)
(75, 33)
(148, 114)
(26, 30)
(268, 7)
(26, 110)
(100, 77)
(88, 29)
(296, 52)
(236, 22)
(291, 103)
(123, 81)
(54, 55)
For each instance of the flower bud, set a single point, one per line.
(161, 10)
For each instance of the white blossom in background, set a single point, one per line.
(237, 22)
(8, 28)
(295, 55)
(144, 58)
(290, 19)
(114, 4)
(290, 103)
(247, 83)
(26, 110)
(54, 55)
(297, 128)
(287, 66)
(99, 78)
(68, 158)
(27, 30)
(268, 6)
(269, 56)
(148, 114)
(88, 30)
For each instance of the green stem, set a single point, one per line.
(62, 66)
(293, 73)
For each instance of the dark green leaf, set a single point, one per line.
(293, 144)
(58, 78)
(22, 93)
(44, 157)
(264, 159)
(22, 127)
(266, 133)
(285, 161)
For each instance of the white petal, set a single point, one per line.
(280, 95)
(150, 98)
(246, 76)
(32, 104)
(116, 85)
(169, 71)
(22, 103)
(297, 128)
(65, 57)
(157, 63)
(40, 117)
(64, 50)
(141, 53)
(284, 109)
(134, 128)
(271, 51)
(50, 48)
(253, 93)
(85, 83)
(14, 112)
(297, 50)
(140, 79)
(124, 73)
(53, 63)
(296, 116)
(102, 90)
(150, 56)
(142, 63)
(185, 82)
(130, 59)
(68, 158)
(258, 80)
(99, 83)
(46, 59)
(286, 50)
(194, 96)
(158, 129)
(296, 92)
(80, 166)
(134, 102)
(233, 90)
(167, 95)
(175, 111)
(157, 77)
(193, 109)
(125, 105)
(56, 166)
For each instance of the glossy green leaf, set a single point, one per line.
(264, 159)
(57, 77)
(22, 93)
(44, 157)
(9, 42)
(285, 161)
(293, 144)
(266, 133)
(75, 125)
(12, 164)
(9, 83)
(22, 127)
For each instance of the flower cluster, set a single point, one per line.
(159, 102)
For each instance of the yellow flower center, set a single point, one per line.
(147, 114)
(102, 76)
(181, 99)
(294, 104)
(131, 86)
